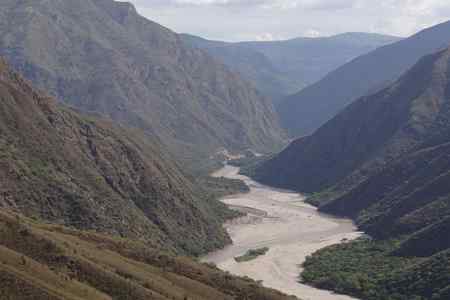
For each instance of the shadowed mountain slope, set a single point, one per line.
(307, 110)
(375, 129)
(383, 161)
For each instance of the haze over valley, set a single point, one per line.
(139, 161)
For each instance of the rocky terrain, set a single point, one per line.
(101, 56)
(82, 171)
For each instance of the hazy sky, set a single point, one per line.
(235, 20)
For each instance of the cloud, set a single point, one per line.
(265, 4)
(279, 19)
(150, 3)
(266, 36)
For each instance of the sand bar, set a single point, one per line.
(292, 229)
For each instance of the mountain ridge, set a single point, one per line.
(384, 162)
(280, 68)
(101, 56)
(365, 117)
(81, 171)
(306, 111)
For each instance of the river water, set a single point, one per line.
(292, 229)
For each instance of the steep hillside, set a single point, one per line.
(369, 270)
(280, 68)
(307, 110)
(385, 162)
(100, 55)
(372, 131)
(80, 171)
(49, 262)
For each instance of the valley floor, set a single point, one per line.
(290, 228)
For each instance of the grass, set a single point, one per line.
(52, 262)
(251, 255)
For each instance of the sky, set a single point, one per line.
(239, 20)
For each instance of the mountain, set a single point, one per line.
(50, 262)
(383, 161)
(101, 56)
(304, 112)
(82, 171)
(280, 68)
(376, 136)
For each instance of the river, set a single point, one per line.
(291, 228)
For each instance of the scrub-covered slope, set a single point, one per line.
(368, 134)
(385, 162)
(100, 55)
(72, 169)
(49, 262)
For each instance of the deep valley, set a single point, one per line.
(294, 159)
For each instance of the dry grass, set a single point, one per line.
(41, 261)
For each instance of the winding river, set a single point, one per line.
(292, 229)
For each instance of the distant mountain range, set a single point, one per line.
(281, 68)
(384, 161)
(101, 56)
(307, 110)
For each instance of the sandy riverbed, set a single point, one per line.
(291, 229)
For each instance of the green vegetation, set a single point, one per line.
(251, 255)
(85, 172)
(369, 270)
(220, 186)
(356, 268)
